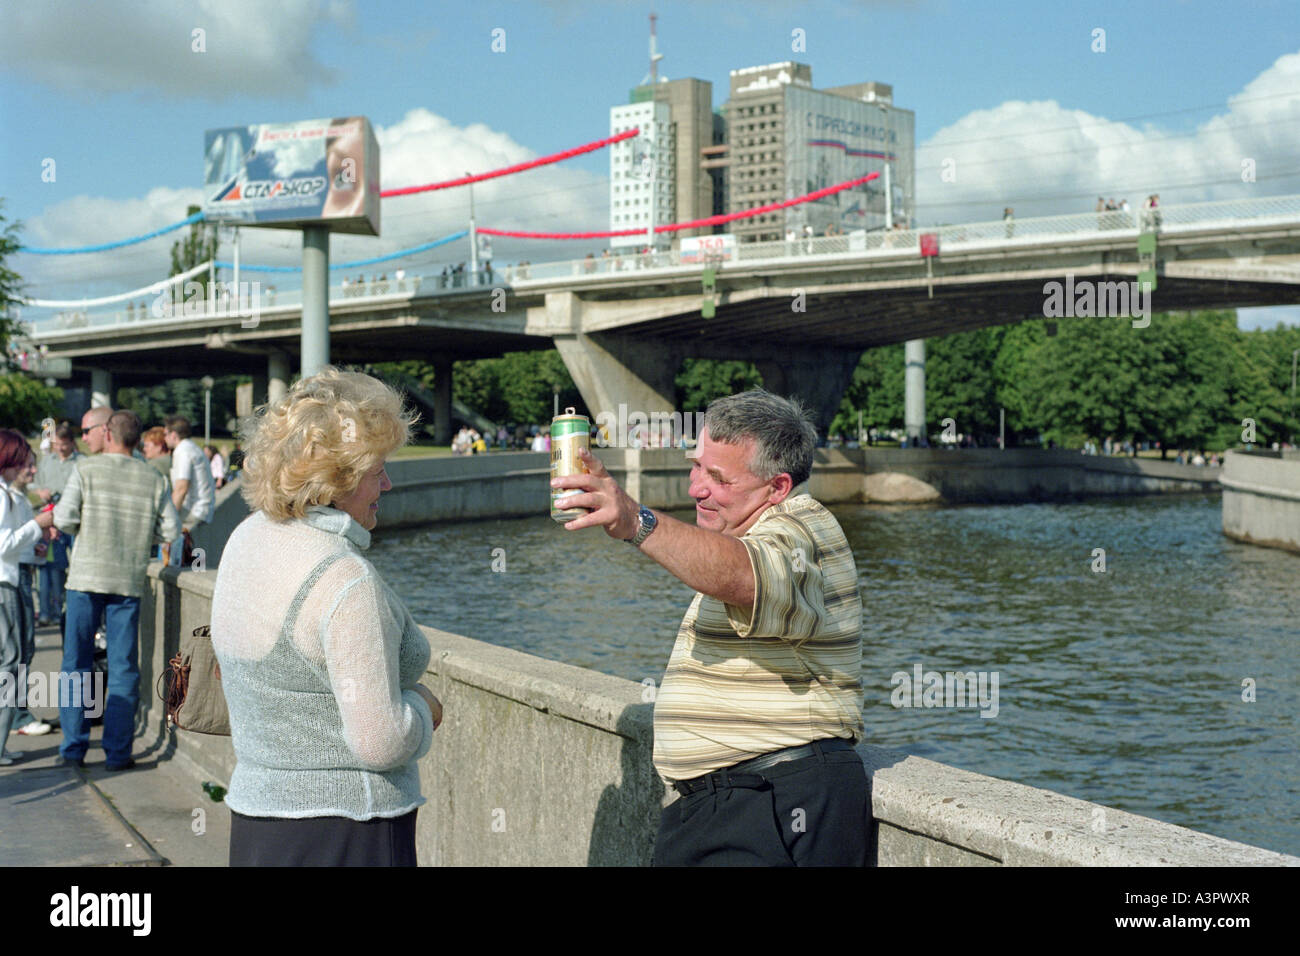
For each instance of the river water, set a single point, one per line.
(1123, 687)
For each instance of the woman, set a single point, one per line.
(32, 558)
(153, 444)
(320, 661)
(19, 533)
(216, 464)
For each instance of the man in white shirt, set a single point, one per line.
(192, 490)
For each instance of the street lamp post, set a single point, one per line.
(473, 237)
(1294, 354)
(207, 382)
(889, 186)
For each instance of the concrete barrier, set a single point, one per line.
(542, 763)
(515, 484)
(994, 476)
(1261, 499)
(230, 509)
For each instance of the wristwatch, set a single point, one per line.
(646, 522)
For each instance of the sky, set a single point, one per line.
(1039, 106)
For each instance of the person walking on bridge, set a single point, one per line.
(761, 705)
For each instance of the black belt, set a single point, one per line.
(747, 770)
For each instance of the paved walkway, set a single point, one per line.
(155, 814)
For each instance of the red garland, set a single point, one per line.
(517, 168)
(693, 224)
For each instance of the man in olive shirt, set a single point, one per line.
(119, 507)
(761, 704)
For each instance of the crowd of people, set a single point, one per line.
(1112, 214)
(88, 524)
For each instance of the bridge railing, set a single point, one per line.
(898, 243)
(956, 237)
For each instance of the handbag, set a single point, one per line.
(190, 688)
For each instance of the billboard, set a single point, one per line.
(830, 139)
(289, 175)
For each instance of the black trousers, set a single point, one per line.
(322, 841)
(810, 812)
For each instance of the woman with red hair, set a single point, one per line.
(18, 534)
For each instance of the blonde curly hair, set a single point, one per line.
(315, 445)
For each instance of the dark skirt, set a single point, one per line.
(322, 841)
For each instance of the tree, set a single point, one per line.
(25, 402)
(199, 246)
(876, 390)
(10, 282)
(1017, 369)
(183, 396)
(700, 381)
(960, 382)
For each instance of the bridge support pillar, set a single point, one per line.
(442, 374)
(611, 369)
(914, 391)
(260, 380)
(817, 377)
(101, 388)
(277, 375)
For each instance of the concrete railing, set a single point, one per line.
(542, 763)
(1261, 499)
(990, 475)
(515, 485)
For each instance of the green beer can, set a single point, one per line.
(569, 434)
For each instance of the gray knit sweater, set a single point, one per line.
(319, 661)
(118, 508)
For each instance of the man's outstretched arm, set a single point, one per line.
(707, 561)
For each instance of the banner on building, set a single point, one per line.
(830, 139)
(720, 248)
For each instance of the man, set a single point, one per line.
(52, 475)
(192, 491)
(761, 702)
(119, 507)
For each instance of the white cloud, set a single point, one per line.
(1044, 159)
(249, 47)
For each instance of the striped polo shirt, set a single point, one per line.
(743, 682)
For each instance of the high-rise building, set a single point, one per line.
(786, 139)
(677, 116)
(642, 171)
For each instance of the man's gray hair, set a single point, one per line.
(784, 436)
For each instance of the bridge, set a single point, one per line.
(801, 310)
